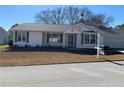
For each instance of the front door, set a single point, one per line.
(72, 40)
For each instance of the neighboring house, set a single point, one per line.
(114, 39)
(3, 36)
(66, 36)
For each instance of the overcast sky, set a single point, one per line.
(10, 15)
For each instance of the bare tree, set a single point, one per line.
(86, 15)
(101, 20)
(73, 15)
(120, 27)
(57, 16)
(43, 17)
(67, 15)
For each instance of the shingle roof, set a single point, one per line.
(54, 27)
(92, 28)
(81, 27)
(3, 31)
(41, 27)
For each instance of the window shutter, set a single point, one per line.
(27, 37)
(47, 38)
(15, 36)
(61, 38)
(82, 38)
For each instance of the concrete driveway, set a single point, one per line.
(80, 74)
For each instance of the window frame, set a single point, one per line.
(89, 43)
(24, 36)
(21, 35)
(54, 36)
(95, 39)
(88, 39)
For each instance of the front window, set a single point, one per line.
(93, 39)
(21, 36)
(54, 38)
(89, 38)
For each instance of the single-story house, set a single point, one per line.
(3, 36)
(55, 35)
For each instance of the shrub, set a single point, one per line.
(10, 43)
(26, 46)
(106, 48)
(37, 46)
(16, 46)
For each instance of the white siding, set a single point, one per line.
(114, 40)
(35, 38)
(3, 37)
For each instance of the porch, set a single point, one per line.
(65, 40)
(69, 40)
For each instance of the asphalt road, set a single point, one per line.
(64, 75)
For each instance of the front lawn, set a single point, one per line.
(38, 57)
(3, 46)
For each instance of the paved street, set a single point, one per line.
(64, 75)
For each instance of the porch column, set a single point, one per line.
(64, 40)
(101, 41)
(78, 40)
(13, 38)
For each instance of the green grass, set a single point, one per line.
(3, 46)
